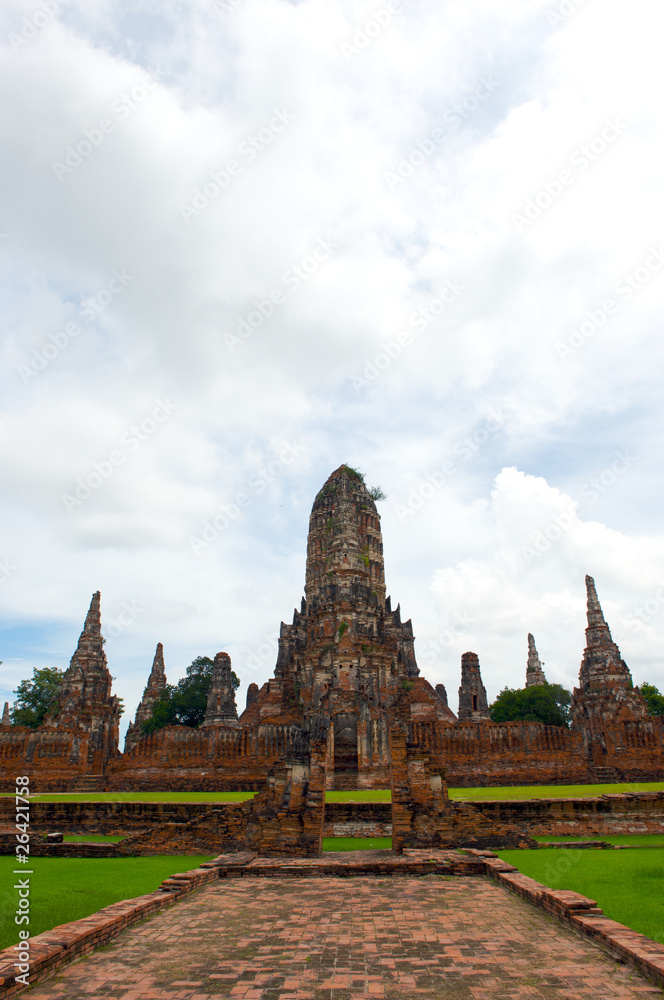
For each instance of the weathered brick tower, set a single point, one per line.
(221, 709)
(86, 703)
(605, 698)
(473, 706)
(155, 685)
(534, 672)
(347, 655)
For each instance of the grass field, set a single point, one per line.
(141, 797)
(91, 838)
(361, 794)
(626, 840)
(551, 791)
(357, 843)
(626, 884)
(64, 889)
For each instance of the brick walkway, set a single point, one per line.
(450, 938)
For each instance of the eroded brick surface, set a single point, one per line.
(348, 939)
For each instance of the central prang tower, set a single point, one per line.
(347, 655)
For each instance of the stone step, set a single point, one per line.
(88, 783)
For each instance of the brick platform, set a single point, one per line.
(450, 937)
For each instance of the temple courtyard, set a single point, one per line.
(452, 937)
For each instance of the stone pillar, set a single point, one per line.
(221, 708)
(534, 672)
(473, 705)
(442, 694)
(252, 694)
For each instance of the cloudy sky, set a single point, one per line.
(244, 241)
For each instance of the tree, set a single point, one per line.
(36, 697)
(548, 703)
(653, 698)
(184, 703)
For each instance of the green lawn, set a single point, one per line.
(626, 884)
(64, 889)
(628, 840)
(141, 797)
(361, 794)
(90, 838)
(357, 843)
(551, 791)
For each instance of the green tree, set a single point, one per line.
(36, 697)
(184, 703)
(548, 703)
(653, 698)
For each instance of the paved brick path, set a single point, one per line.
(450, 938)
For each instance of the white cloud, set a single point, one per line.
(514, 97)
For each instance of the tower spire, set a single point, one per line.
(85, 701)
(345, 546)
(473, 706)
(221, 708)
(534, 672)
(605, 692)
(155, 685)
(597, 632)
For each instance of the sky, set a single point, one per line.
(243, 242)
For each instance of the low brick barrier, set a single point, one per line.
(41, 848)
(607, 815)
(583, 915)
(345, 864)
(61, 945)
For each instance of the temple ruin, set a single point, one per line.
(346, 681)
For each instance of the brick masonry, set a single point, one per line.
(608, 815)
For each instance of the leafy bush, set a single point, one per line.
(548, 703)
(36, 697)
(653, 698)
(184, 704)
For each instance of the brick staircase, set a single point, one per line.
(88, 783)
(604, 775)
